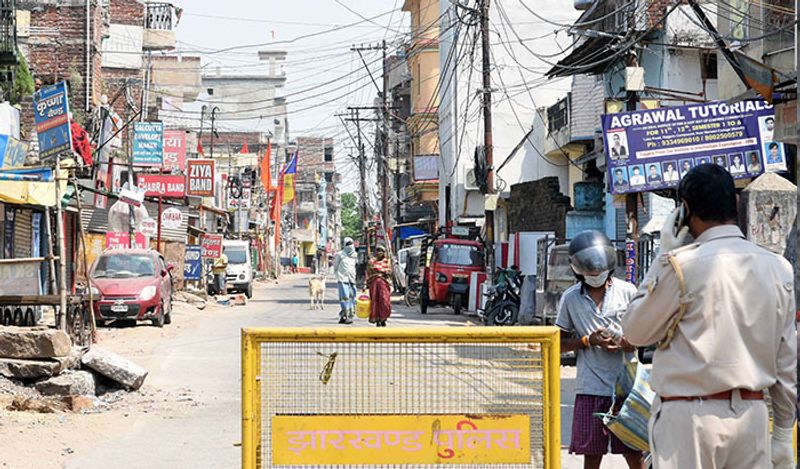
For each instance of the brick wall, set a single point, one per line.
(538, 206)
(126, 12)
(56, 51)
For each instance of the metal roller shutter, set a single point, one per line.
(23, 233)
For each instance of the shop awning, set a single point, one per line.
(585, 59)
(406, 232)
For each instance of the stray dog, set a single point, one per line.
(316, 292)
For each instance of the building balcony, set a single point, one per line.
(158, 27)
(423, 192)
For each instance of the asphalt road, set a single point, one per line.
(205, 358)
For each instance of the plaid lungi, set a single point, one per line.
(589, 435)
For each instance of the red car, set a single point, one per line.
(446, 276)
(132, 284)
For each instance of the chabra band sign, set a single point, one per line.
(379, 440)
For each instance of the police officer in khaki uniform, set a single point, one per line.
(722, 312)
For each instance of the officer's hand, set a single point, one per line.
(669, 239)
(597, 339)
(627, 346)
(782, 451)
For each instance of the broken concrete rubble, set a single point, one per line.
(68, 383)
(33, 343)
(115, 367)
(28, 369)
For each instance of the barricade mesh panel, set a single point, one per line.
(305, 378)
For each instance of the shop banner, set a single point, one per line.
(200, 178)
(12, 152)
(192, 262)
(175, 150)
(162, 185)
(51, 115)
(653, 149)
(212, 245)
(148, 143)
(121, 240)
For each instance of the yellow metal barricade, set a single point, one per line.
(401, 397)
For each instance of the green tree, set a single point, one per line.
(23, 81)
(351, 218)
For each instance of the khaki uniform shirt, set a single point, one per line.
(739, 327)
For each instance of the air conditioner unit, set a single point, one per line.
(471, 183)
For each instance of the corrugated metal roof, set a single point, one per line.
(96, 219)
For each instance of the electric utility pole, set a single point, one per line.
(487, 130)
(385, 147)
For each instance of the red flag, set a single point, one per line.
(266, 165)
(200, 149)
(245, 149)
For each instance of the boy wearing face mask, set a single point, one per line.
(589, 316)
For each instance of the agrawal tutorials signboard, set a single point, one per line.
(51, 115)
(148, 143)
(653, 149)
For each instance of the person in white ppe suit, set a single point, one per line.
(344, 266)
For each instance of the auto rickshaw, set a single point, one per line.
(448, 265)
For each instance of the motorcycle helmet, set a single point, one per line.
(591, 252)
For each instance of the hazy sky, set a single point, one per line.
(246, 26)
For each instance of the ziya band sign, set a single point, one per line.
(653, 149)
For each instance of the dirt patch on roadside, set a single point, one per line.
(31, 439)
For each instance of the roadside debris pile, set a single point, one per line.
(191, 298)
(239, 299)
(40, 371)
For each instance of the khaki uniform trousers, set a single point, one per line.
(710, 434)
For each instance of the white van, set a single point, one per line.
(239, 274)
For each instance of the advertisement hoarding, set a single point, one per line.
(51, 115)
(174, 150)
(148, 143)
(200, 178)
(653, 149)
(162, 185)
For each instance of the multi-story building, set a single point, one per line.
(422, 57)
(679, 61)
(315, 218)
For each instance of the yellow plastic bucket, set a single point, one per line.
(363, 306)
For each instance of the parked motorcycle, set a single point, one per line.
(503, 299)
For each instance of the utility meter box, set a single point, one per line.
(634, 78)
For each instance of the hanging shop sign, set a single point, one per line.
(149, 227)
(200, 178)
(193, 262)
(51, 115)
(162, 185)
(148, 143)
(171, 218)
(653, 149)
(175, 150)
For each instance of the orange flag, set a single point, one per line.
(266, 168)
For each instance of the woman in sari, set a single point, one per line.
(379, 271)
